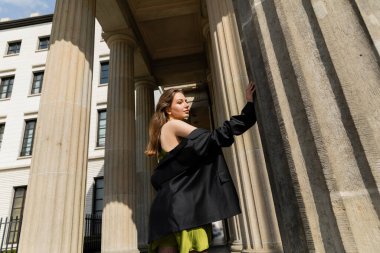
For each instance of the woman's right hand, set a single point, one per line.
(249, 91)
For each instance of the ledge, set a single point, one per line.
(98, 157)
(24, 157)
(20, 167)
(41, 50)
(26, 22)
(34, 95)
(11, 55)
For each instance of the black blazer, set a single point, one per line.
(194, 186)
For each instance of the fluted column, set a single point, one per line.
(54, 209)
(119, 233)
(220, 114)
(257, 226)
(233, 231)
(145, 87)
(318, 65)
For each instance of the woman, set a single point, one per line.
(193, 184)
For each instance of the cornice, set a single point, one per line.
(26, 22)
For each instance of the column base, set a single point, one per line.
(121, 251)
(236, 246)
(268, 248)
(262, 251)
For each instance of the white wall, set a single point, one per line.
(14, 170)
(14, 109)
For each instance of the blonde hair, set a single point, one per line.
(159, 118)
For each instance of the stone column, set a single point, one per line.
(220, 114)
(53, 217)
(318, 66)
(370, 13)
(258, 223)
(145, 87)
(119, 233)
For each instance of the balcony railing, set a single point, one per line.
(10, 229)
(9, 234)
(92, 233)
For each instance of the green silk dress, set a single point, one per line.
(187, 240)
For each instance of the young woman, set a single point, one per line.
(193, 184)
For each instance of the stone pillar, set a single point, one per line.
(119, 233)
(370, 13)
(145, 87)
(317, 63)
(257, 225)
(220, 114)
(53, 217)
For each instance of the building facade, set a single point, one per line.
(25, 44)
(307, 174)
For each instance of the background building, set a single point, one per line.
(25, 45)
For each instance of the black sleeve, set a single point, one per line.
(224, 136)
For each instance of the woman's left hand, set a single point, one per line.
(249, 91)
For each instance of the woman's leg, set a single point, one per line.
(167, 250)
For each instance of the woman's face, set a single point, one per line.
(179, 108)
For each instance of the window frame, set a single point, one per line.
(15, 229)
(101, 72)
(22, 154)
(39, 43)
(98, 128)
(94, 211)
(9, 90)
(8, 46)
(2, 130)
(33, 82)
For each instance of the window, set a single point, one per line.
(104, 72)
(43, 42)
(98, 196)
(6, 86)
(17, 211)
(27, 144)
(37, 82)
(101, 141)
(14, 47)
(2, 127)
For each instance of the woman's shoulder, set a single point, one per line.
(169, 126)
(178, 127)
(172, 122)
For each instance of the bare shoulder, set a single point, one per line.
(178, 128)
(175, 123)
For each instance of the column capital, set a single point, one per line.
(147, 81)
(125, 35)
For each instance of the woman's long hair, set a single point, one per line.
(159, 118)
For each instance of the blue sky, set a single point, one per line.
(16, 9)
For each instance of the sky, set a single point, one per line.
(17, 9)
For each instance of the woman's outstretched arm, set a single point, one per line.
(182, 129)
